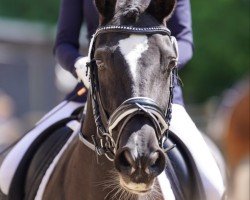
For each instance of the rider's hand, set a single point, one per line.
(81, 70)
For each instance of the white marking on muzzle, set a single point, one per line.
(136, 187)
(132, 49)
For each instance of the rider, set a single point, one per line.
(74, 12)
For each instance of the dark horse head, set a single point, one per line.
(133, 57)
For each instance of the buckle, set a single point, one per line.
(163, 139)
(106, 147)
(99, 150)
(109, 145)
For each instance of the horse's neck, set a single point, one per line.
(84, 175)
(78, 175)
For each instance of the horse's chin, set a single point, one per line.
(136, 188)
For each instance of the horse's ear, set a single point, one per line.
(106, 9)
(161, 9)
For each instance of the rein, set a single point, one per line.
(107, 145)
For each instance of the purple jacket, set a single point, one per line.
(74, 12)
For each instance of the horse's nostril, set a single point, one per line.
(127, 164)
(157, 162)
(154, 158)
(124, 160)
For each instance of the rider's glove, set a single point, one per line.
(81, 70)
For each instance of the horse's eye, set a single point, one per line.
(100, 64)
(172, 63)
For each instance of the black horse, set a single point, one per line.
(125, 143)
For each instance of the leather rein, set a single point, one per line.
(104, 142)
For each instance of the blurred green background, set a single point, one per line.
(221, 57)
(221, 35)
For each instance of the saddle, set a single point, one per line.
(22, 171)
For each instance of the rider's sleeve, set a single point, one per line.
(66, 47)
(180, 25)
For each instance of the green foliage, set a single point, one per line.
(221, 35)
(35, 10)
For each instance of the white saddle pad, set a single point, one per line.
(13, 159)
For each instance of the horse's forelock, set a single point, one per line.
(131, 9)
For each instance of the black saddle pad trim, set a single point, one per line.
(178, 172)
(192, 179)
(43, 158)
(17, 186)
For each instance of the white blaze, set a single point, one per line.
(132, 49)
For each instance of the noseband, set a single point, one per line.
(104, 143)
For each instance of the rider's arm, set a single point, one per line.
(180, 25)
(66, 48)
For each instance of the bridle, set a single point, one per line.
(104, 143)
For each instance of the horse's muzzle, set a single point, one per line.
(139, 162)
